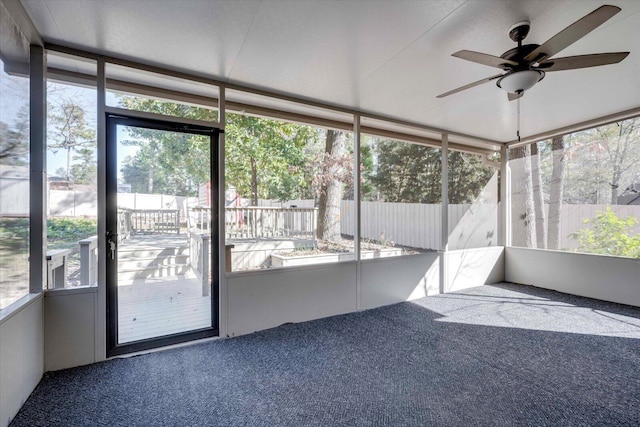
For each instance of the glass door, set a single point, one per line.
(162, 269)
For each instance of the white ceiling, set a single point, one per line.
(387, 57)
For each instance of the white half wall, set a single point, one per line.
(69, 326)
(602, 277)
(268, 298)
(390, 280)
(21, 356)
(468, 268)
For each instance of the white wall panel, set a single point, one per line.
(21, 357)
(473, 267)
(69, 328)
(266, 299)
(390, 280)
(602, 277)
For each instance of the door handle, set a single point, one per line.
(112, 241)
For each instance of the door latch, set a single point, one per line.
(111, 241)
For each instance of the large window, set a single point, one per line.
(401, 198)
(14, 162)
(473, 201)
(72, 202)
(579, 192)
(289, 193)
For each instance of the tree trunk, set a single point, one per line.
(615, 183)
(523, 216)
(555, 196)
(69, 164)
(331, 188)
(538, 199)
(254, 182)
(150, 178)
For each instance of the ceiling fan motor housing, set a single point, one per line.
(519, 31)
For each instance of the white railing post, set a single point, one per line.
(57, 266)
(88, 261)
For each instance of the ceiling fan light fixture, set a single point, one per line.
(520, 81)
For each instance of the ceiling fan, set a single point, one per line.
(526, 65)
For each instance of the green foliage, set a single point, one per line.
(395, 171)
(86, 171)
(14, 140)
(609, 235)
(467, 177)
(264, 158)
(166, 162)
(69, 130)
(271, 159)
(14, 234)
(600, 162)
(70, 229)
(405, 172)
(268, 159)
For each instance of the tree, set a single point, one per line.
(267, 158)
(603, 161)
(408, 173)
(523, 220)
(556, 192)
(538, 197)
(264, 158)
(468, 176)
(14, 140)
(331, 187)
(69, 131)
(166, 162)
(621, 142)
(86, 171)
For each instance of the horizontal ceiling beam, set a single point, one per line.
(578, 127)
(253, 110)
(257, 91)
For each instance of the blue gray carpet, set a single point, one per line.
(496, 355)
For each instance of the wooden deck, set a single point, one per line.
(162, 302)
(158, 306)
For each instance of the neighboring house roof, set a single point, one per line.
(631, 195)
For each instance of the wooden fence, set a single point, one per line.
(470, 226)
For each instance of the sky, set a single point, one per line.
(57, 94)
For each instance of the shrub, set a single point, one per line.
(609, 235)
(70, 229)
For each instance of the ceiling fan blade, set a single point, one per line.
(572, 33)
(514, 96)
(582, 61)
(469, 86)
(485, 59)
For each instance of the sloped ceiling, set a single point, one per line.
(386, 57)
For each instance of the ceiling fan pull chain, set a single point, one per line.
(518, 119)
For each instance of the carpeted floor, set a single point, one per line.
(495, 355)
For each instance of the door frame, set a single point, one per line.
(118, 116)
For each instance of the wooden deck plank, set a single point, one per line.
(161, 306)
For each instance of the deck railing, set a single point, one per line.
(199, 258)
(57, 268)
(259, 222)
(148, 221)
(241, 223)
(88, 261)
